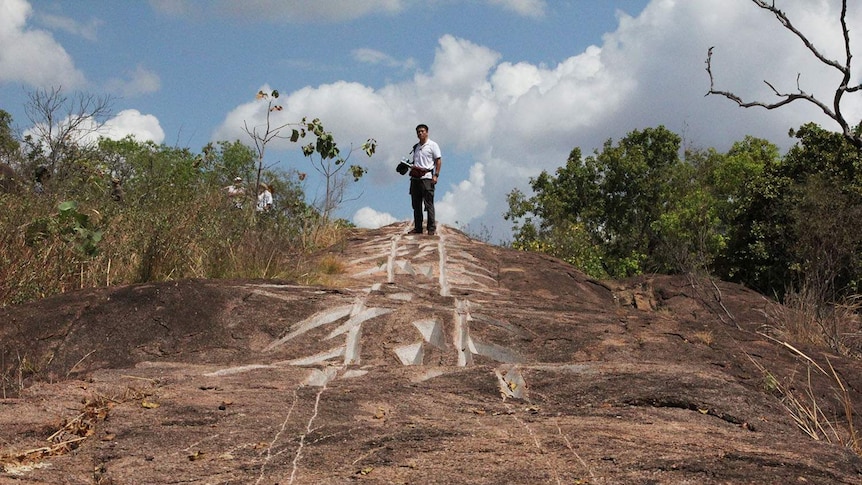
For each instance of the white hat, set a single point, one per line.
(238, 179)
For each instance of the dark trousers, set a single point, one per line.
(422, 193)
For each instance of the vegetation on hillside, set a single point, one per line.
(748, 215)
(786, 226)
(79, 213)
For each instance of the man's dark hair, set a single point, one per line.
(422, 126)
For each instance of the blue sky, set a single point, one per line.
(508, 87)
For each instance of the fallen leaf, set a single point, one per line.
(149, 405)
(196, 456)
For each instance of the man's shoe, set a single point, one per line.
(432, 233)
(414, 231)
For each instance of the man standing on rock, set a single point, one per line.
(427, 160)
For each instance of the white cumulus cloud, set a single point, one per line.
(369, 218)
(464, 201)
(88, 30)
(143, 127)
(293, 11)
(139, 81)
(32, 56)
(129, 122)
(527, 8)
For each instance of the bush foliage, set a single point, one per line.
(127, 212)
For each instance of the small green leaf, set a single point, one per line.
(68, 206)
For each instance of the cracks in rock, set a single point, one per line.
(678, 403)
(275, 438)
(541, 450)
(572, 449)
(308, 430)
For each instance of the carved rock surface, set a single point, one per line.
(431, 360)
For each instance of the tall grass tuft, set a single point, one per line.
(835, 327)
(806, 318)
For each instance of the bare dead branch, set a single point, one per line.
(61, 123)
(786, 98)
(782, 17)
(834, 111)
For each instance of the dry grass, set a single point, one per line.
(16, 368)
(71, 434)
(198, 237)
(331, 265)
(805, 319)
(836, 326)
(806, 409)
(706, 337)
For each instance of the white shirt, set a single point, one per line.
(264, 200)
(426, 155)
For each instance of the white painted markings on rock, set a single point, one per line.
(412, 263)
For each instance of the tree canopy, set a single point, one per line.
(748, 215)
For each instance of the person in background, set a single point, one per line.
(264, 198)
(117, 189)
(427, 161)
(42, 176)
(236, 192)
(8, 179)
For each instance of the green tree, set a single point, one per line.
(635, 176)
(688, 228)
(605, 207)
(9, 144)
(223, 161)
(791, 220)
(151, 174)
(825, 209)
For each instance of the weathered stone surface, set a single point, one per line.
(432, 360)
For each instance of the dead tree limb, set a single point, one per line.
(849, 131)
